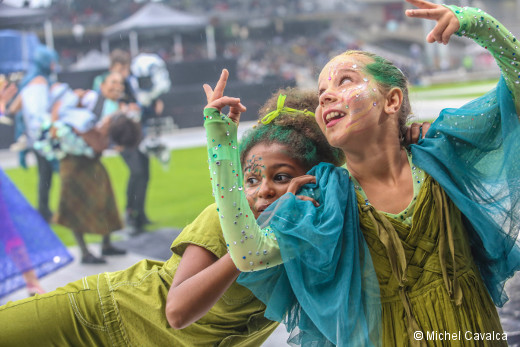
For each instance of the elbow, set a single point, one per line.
(241, 265)
(176, 317)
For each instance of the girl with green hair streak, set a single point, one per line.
(439, 220)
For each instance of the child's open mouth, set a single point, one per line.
(332, 117)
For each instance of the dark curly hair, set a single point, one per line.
(298, 131)
(124, 132)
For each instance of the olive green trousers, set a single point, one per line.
(88, 312)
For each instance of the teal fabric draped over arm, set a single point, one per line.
(474, 153)
(326, 291)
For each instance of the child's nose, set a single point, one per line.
(327, 98)
(266, 190)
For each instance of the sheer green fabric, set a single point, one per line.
(250, 247)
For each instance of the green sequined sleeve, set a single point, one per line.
(493, 36)
(251, 247)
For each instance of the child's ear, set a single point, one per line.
(394, 100)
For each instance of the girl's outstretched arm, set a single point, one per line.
(479, 26)
(250, 246)
(199, 282)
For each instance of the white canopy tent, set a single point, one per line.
(93, 60)
(156, 16)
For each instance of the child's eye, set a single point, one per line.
(283, 178)
(345, 80)
(251, 181)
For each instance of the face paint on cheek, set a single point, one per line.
(255, 168)
(348, 96)
(253, 194)
(360, 107)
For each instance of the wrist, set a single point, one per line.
(211, 113)
(464, 15)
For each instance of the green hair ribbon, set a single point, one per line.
(281, 108)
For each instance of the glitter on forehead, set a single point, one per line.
(336, 63)
(332, 70)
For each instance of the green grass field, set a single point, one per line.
(443, 86)
(466, 89)
(176, 195)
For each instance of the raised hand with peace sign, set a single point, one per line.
(217, 100)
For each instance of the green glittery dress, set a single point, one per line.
(428, 279)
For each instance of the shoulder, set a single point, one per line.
(39, 80)
(204, 231)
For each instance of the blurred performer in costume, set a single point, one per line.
(77, 136)
(35, 102)
(153, 80)
(119, 62)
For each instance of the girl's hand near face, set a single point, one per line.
(447, 22)
(416, 132)
(216, 98)
(297, 183)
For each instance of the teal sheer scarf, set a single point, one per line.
(474, 153)
(326, 291)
